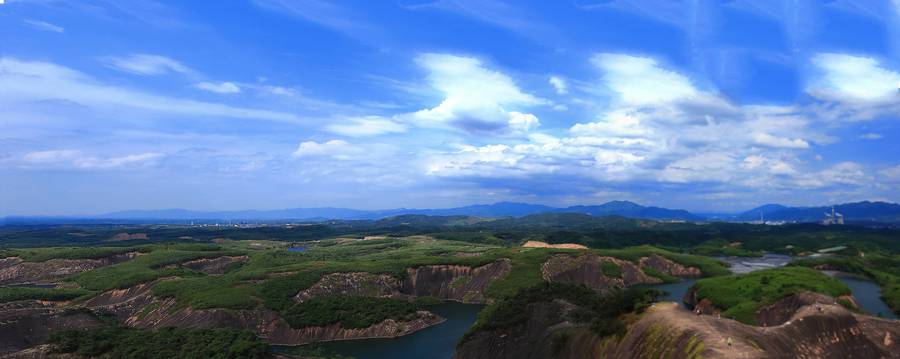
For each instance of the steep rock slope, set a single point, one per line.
(816, 330)
(588, 270)
(453, 282)
(15, 270)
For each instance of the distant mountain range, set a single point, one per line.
(853, 212)
(501, 209)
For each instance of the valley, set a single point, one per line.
(352, 287)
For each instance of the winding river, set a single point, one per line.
(436, 342)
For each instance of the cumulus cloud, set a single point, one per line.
(641, 81)
(79, 160)
(856, 77)
(337, 149)
(659, 128)
(559, 84)
(24, 82)
(523, 121)
(44, 26)
(147, 65)
(852, 87)
(475, 98)
(221, 87)
(366, 126)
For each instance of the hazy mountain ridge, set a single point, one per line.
(853, 212)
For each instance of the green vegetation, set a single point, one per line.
(601, 311)
(45, 254)
(166, 343)
(883, 269)
(351, 312)
(148, 267)
(10, 294)
(610, 269)
(740, 296)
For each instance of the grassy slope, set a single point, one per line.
(740, 296)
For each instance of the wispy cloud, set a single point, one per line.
(501, 14)
(330, 15)
(23, 82)
(221, 87)
(366, 126)
(44, 26)
(147, 65)
(79, 160)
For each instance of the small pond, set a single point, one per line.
(436, 342)
(297, 249)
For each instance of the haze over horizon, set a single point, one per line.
(272, 104)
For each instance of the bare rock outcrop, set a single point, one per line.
(667, 266)
(137, 307)
(587, 270)
(355, 284)
(213, 266)
(454, 282)
(26, 324)
(668, 331)
(14, 270)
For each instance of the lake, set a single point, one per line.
(296, 249)
(437, 342)
(674, 291)
(867, 294)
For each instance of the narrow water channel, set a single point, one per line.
(436, 342)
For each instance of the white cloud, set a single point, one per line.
(641, 81)
(476, 99)
(337, 149)
(659, 128)
(222, 87)
(147, 65)
(523, 121)
(871, 136)
(559, 84)
(24, 82)
(856, 77)
(77, 159)
(766, 139)
(366, 126)
(44, 26)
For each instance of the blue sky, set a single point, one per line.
(703, 105)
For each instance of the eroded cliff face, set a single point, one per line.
(819, 329)
(137, 307)
(14, 270)
(26, 324)
(452, 282)
(548, 333)
(813, 331)
(587, 270)
(354, 284)
(667, 266)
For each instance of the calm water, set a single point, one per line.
(437, 342)
(674, 291)
(867, 294)
(296, 249)
(748, 264)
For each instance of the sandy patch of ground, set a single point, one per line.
(538, 244)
